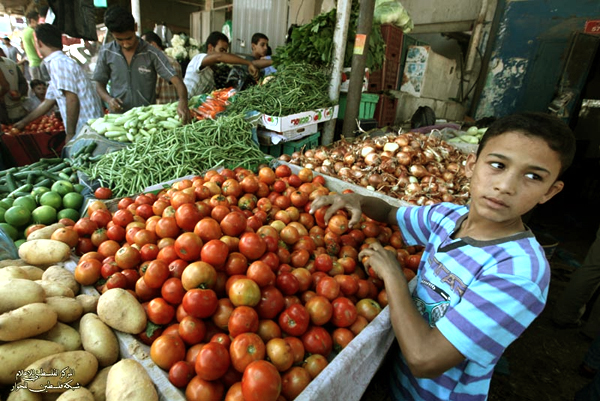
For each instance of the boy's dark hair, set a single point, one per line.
(153, 37)
(258, 36)
(215, 37)
(551, 129)
(49, 35)
(35, 83)
(32, 15)
(119, 20)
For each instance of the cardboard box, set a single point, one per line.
(427, 74)
(298, 120)
(268, 137)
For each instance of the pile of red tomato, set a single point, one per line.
(247, 294)
(46, 124)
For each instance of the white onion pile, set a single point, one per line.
(418, 168)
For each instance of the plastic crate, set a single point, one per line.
(366, 110)
(385, 79)
(310, 142)
(385, 112)
(393, 37)
(272, 150)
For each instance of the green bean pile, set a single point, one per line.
(293, 89)
(169, 154)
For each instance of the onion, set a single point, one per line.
(327, 162)
(403, 158)
(391, 147)
(345, 172)
(413, 188)
(418, 170)
(309, 166)
(366, 150)
(326, 170)
(338, 166)
(372, 159)
(296, 155)
(358, 174)
(380, 142)
(375, 180)
(286, 158)
(402, 140)
(447, 197)
(337, 154)
(309, 153)
(364, 182)
(447, 176)
(321, 154)
(349, 159)
(386, 155)
(452, 167)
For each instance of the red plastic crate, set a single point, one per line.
(24, 149)
(384, 79)
(392, 36)
(385, 111)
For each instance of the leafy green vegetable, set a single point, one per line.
(293, 88)
(313, 43)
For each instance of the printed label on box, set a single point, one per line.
(294, 121)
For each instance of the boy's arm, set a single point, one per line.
(215, 58)
(426, 350)
(262, 63)
(356, 204)
(42, 109)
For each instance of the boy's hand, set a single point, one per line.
(381, 260)
(350, 202)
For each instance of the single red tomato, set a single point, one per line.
(166, 350)
(246, 348)
(294, 320)
(181, 373)
(261, 382)
(160, 311)
(243, 319)
(200, 303)
(212, 361)
(317, 340)
(252, 245)
(344, 312)
(204, 390)
(103, 193)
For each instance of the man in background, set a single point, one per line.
(13, 88)
(132, 65)
(69, 87)
(10, 51)
(35, 62)
(165, 90)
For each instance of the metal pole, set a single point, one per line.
(137, 15)
(340, 36)
(359, 59)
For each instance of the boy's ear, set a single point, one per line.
(553, 190)
(470, 164)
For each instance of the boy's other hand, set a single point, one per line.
(253, 71)
(381, 260)
(350, 202)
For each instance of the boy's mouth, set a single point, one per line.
(494, 202)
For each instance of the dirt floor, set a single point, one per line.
(542, 364)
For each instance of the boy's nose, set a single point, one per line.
(506, 184)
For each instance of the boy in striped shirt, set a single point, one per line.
(483, 277)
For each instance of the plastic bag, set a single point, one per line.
(392, 12)
(239, 79)
(8, 250)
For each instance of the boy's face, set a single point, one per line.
(221, 47)
(40, 91)
(512, 174)
(260, 49)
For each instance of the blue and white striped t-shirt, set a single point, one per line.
(481, 295)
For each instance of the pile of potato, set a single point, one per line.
(57, 343)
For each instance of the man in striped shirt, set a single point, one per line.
(483, 277)
(69, 87)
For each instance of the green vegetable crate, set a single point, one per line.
(289, 147)
(366, 110)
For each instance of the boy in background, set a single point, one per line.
(199, 76)
(39, 88)
(483, 277)
(261, 56)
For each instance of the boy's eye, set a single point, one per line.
(533, 176)
(497, 165)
